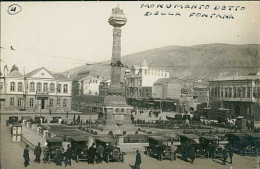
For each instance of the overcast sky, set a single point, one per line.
(80, 30)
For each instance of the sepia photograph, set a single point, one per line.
(130, 85)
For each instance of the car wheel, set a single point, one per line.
(108, 159)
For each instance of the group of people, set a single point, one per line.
(94, 154)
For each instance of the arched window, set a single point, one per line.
(39, 87)
(12, 87)
(45, 87)
(52, 87)
(59, 88)
(20, 87)
(32, 87)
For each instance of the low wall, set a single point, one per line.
(132, 147)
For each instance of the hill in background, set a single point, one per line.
(192, 62)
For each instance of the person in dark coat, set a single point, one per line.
(192, 154)
(224, 153)
(230, 153)
(100, 152)
(37, 153)
(138, 160)
(26, 156)
(92, 154)
(68, 155)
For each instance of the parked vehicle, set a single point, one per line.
(158, 147)
(209, 144)
(111, 152)
(238, 141)
(79, 145)
(55, 119)
(188, 140)
(253, 146)
(54, 146)
(12, 120)
(26, 118)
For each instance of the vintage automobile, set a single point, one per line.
(55, 119)
(209, 145)
(238, 141)
(158, 147)
(111, 152)
(79, 145)
(37, 119)
(253, 144)
(54, 145)
(12, 120)
(26, 118)
(188, 140)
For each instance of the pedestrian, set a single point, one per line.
(192, 154)
(173, 152)
(230, 152)
(57, 157)
(67, 114)
(138, 160)
(92, 154)
(252, 125)
(68, 155)
(26, 156)
(100, 152)
(78, 119)
(45, 154)
(224, 153)
(37, 153)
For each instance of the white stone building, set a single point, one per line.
(39, 89)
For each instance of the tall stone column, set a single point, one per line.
(117, 20)
(116, 58)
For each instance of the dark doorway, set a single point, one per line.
(237, 110)
(42, 103)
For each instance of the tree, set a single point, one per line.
(14, 67)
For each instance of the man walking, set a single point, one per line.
(137, 160)
(26, 156)
(92, 154)
(100, 151)
(230, 152)
(192, 154)
(68, 155)
(37, 153)
(224, 153)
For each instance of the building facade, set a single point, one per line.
(88, 84)
(139, 81)
(238, 95)
(37, 90)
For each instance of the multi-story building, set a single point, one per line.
(139, 81)
(239, 95)
(88, 84)
(166, 92)
(200, 94)
(37, 90)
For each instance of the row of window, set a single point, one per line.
(240, 92)
(155, 72)
(46, 88)
(31, 102)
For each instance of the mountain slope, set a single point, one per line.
(200, 61)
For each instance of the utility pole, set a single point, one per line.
(161, 98)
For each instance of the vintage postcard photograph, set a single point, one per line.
(130, 85)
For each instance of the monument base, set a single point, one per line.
(117, 115)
